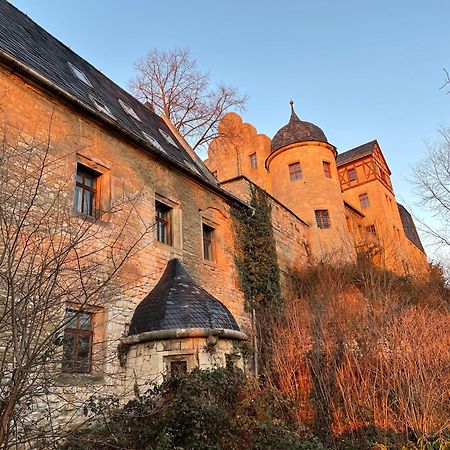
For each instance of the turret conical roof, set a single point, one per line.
(297, 131)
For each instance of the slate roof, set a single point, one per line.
(356, 153)
(296, 131)
(35, 48)
(176, 302)
(409, 227)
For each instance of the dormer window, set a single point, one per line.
(168, 138)
(129, 110)
(101, 107)
(153, 141)
(79, 74)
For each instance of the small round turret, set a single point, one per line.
(303, 172)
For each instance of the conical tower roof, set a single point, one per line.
(177, 302)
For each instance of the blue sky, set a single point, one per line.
(361, 70)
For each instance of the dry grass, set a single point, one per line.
(362, 348)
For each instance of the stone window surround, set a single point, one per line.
(103, 187)
(322, 217)
(295, 171)
(176, 217)
(97, 347)
(327, 169)
(253, 160)
(206, 219)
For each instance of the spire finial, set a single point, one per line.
(292, 106)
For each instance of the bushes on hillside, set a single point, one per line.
(362, 349)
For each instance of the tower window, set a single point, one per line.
(86, 191)
(371, 229)
(326, 169)
(322, 218)
(352, 176)
(295, 171)
(253, 161)
(364, 200)
(77, 348)
(208, 236)
(163, 216)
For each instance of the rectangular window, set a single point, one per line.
(163, 216)
(352, 176)
(253, 161)
(77, 347)
(322, 218)
(371, 229)
(295, 171)
(326, 169)
(86, 195)
(178, 367)
(208, 235)
(364, 200)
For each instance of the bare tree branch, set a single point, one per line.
(173, 85)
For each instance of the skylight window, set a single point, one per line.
(168, 138)
(79, 74)
(129, 110)
(153, 141)
(101, 107)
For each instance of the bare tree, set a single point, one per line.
(432, 180)
(172, 84)
(51, 261)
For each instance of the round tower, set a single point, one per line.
(302, 167)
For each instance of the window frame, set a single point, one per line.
(326, 169)
(353, 171)
(295, 171)
(364, 200)
(371, 229)
(167, 222)
(253, 161)
(322, 216)
(210, 241)
(94, 190)
(74, 367)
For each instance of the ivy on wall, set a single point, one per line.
(256, 260)
(257, 266)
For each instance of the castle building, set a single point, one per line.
(181, 306)
(346, 200)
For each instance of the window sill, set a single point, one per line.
(91, 219)
(209, 263)
(80, 379)
(167, 247)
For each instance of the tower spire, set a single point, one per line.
(293, 114)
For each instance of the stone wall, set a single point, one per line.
(127, 171)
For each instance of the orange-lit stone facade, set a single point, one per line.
(362, 210)
(31, 116)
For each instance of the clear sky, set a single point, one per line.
(360, 69)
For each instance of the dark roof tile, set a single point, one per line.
(409, 227)
(296, 131)
(177, 302)
(356, 153)
(38, 50)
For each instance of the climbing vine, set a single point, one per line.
(256, 259)
(257, 266)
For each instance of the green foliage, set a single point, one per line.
(205, 410)
(257, 263)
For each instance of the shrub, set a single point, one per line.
(210, 409)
